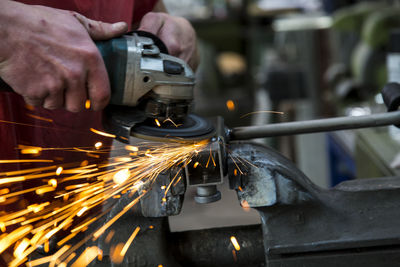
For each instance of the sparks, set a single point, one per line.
(121, 176)
(132, 148)
(59, 170)
(86, 257)
(87, 104)
(230, 105)
(102, 133)
(234, 255)
(25, 160)
(2, 227)
(81, 188)
(79, 214)
(43, 190)
(31, 151)
(39, 118)
(109, 236)
(129, 242)
(171, 121)
(98, 145)
(235, 243)
(52, 182)
(245, 205)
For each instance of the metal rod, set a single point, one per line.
(315, 126)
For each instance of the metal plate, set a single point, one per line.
(194, 128)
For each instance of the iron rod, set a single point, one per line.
(315, 126)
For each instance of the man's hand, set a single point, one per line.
(47, 55)
(176, 32)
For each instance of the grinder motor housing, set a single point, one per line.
(142, 74)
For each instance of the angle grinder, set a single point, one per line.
(151, 91)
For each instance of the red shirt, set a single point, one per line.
(111, 11)
(59, 128)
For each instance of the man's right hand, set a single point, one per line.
(47, 55)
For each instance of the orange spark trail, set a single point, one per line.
(24, 160)
(39, 118)
(129, 242)
(235, 243)
(103, 133)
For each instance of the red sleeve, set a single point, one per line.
(141, 8)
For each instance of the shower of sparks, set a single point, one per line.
(74, 192)
(235, 243)
(38, 203)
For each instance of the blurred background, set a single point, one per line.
(308, 59)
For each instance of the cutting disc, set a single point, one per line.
(194, 128)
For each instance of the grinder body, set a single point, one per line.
(142, 75)
(151, 91)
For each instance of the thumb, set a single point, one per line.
(99, 30)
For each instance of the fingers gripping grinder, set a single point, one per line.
(151, 91)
